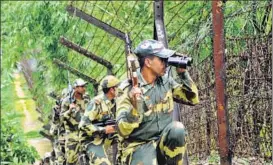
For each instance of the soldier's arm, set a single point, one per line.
(89, 116)
(65, 109)
(127, 116)
(185, 91)
(55, 117)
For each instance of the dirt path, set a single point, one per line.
(30, 121)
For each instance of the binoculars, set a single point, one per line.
(179, 60)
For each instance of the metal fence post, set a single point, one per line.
(220, 82)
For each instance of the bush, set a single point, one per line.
(14, 146)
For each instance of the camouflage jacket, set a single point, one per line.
(98, 109)
(55, 120)
(72, 117)
(153, 116)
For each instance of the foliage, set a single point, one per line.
(188, 26)
(14, 146)
(31, 30)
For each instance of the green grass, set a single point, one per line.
(32, 135)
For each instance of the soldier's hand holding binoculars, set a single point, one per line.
(181, 70)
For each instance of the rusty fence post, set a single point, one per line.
(220, 82)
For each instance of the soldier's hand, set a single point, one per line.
(180, 70)
(110, 129)
(72, 105)
(134, 94)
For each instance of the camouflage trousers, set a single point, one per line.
(60, 152)
(71, 148)
(168, 149)
(96, 151)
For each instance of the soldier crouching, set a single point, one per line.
(149, 135)
(95, 134)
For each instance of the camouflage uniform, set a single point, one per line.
(47, 160)
(148, 135)
(93, 137)
(71, 118)
(57, 130)
(60, 151)
(59, 146)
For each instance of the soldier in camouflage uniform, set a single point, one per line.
(59, 130)
(149, 136)
(101, 108)
(72, 109)
(47, 159)
(55, 125)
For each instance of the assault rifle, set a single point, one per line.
(105, 123)
(133, 65)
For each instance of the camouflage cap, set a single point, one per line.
(109, 81)
(153, 47)
(79, 82)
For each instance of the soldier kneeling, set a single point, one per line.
(97, 123)
(150, 136)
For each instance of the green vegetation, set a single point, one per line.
(34, 28)
(14, 146)
(30, 30)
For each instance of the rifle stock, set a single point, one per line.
(132, 64)
(137, 101)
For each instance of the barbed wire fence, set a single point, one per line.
(249, 93)
(248, 68)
